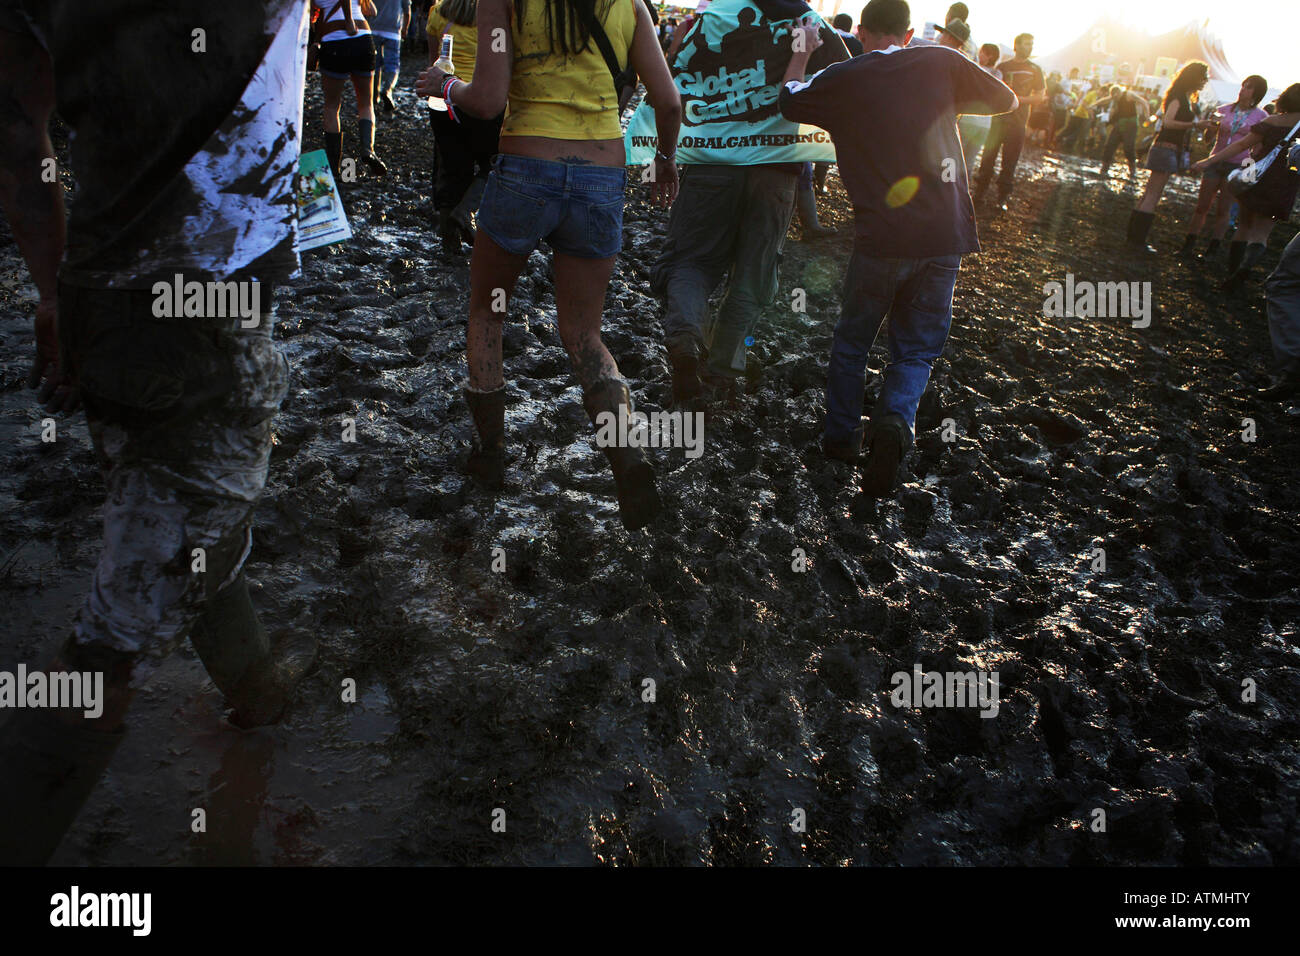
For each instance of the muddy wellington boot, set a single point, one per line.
(449, 233)
(684, 359)
(373, 162)
(487, 459)
(257, 680)
(1283, 386)
(334, 153)
(1236, 281)
(1139, 224)
(1188, 249)
(887, 442)
(848, 450)
(634, 477)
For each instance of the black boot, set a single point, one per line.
(847, 451)
(1139, 224)
(48, 768)
(334, 153)
(1211, 248)
(1237, 280)
(806, 206)
(449, 231)
(684, 358)
(638, 501)
(256, 679)
(373, 162)
(487, 460)
(1282, 386)
(887, 442)
(1188, 248)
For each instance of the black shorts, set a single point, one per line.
(340, 58)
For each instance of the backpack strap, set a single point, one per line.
(621, 77)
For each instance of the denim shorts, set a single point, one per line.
(577, 209)
(1166, 158)
(388, 54)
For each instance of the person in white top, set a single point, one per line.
(347, 50)
(974, 130)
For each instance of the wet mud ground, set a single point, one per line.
(523, 690)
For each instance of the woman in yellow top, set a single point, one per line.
(560, 176)
(464, 146)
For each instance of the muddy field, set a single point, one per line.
(524, 690)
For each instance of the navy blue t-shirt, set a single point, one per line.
(893, 118)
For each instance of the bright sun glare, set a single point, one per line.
(1254, 39)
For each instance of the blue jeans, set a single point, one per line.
(576, 208)
(388, 55)
(916, 295)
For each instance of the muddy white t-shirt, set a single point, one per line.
(184, 134)
(244, 178)
(335, 26)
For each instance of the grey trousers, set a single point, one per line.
(727, 220)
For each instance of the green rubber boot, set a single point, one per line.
(256, 679)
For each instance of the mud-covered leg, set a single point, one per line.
(493, 274)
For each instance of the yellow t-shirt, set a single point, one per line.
(1086, 104)
(464, 43)
(566, 97)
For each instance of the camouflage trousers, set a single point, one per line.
(182, 480)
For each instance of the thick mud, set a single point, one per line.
(524, 689)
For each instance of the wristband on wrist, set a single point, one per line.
(446, 97)
(659, 154)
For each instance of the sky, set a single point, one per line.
(1255, 34)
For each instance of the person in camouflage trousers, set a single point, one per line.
(179, 393)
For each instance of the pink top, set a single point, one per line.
(1235, 124)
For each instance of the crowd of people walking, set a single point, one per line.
(529, 150)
